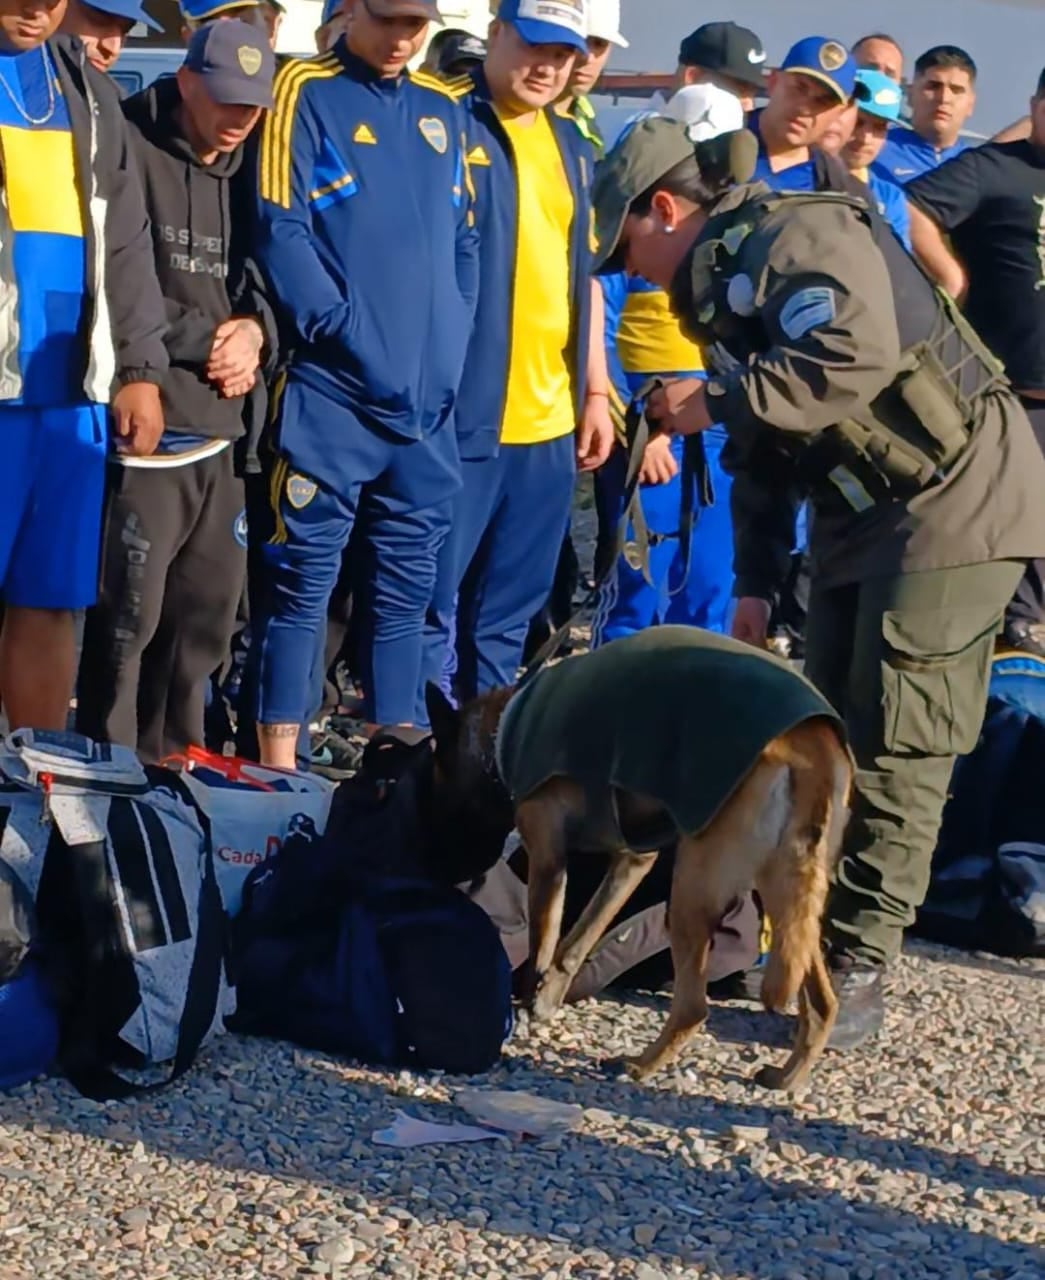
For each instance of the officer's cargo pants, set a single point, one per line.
(906, 661)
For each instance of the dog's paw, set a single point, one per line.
(544, 1008)
(770, 1077)
(627, 1069)
(550, 996)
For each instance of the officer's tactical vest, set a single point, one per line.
(911, 435)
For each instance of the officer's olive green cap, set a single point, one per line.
(650, 149)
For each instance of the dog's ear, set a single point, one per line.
(443, 717)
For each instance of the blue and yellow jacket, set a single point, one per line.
(367, 237)
(480, 406)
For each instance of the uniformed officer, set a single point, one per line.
(687, 574)
(841, 373)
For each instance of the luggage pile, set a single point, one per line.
(145, 911)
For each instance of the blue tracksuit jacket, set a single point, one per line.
(480, 406)
(362, 194)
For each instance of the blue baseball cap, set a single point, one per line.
(129, 10)
(826, 60)
(548, 21)
(330, 7)
(878, 95)
(202, 10)
(235, 61)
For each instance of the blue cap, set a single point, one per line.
(826, 60)
(548, 21)
(878, 95)
(236, 63)
(201, 10)
(130, 10)
(330, 8)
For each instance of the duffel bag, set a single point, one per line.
(410, 974)
(128, 914)
(252, 809)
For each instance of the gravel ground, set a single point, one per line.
(923, 1156)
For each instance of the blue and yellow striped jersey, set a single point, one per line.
(649, 338)
(46, 219)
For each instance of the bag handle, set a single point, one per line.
(81, 1061)
(230, 767)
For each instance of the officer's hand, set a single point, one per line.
(236, 353)
(751, 621)
(668, 401)
(658, 462)
(595, 435)
(137, 418)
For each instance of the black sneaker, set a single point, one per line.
(333, 756)
(1025, 637)
(861, 1008)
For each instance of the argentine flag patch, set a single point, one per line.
(810, 309)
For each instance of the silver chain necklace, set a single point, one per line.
(50, 93)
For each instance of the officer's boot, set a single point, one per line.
(858, 985)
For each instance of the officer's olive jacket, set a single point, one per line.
(125, 320)
(821, 320)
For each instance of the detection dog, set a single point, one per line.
(679, 735)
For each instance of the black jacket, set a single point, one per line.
(201, 258)
(124, 318)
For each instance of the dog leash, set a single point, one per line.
(695, 475)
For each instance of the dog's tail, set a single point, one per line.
(794, 880)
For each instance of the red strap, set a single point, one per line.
(230, 767)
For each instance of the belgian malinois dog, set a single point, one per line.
(778, 831)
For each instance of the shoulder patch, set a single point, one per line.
(807, 310)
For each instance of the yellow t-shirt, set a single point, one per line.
(539, 401)
(650, 337)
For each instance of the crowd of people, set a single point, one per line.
(308, 357)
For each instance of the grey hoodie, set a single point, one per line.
(201, 258)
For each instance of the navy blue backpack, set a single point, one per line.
(348, 946)
(987, 891)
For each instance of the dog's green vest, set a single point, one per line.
(675, 714)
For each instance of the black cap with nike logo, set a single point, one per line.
(727, 48)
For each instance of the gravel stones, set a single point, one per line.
(920, 1157)
(338, 1251)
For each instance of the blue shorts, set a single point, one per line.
(52, 492)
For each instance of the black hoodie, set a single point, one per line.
(201, 259)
